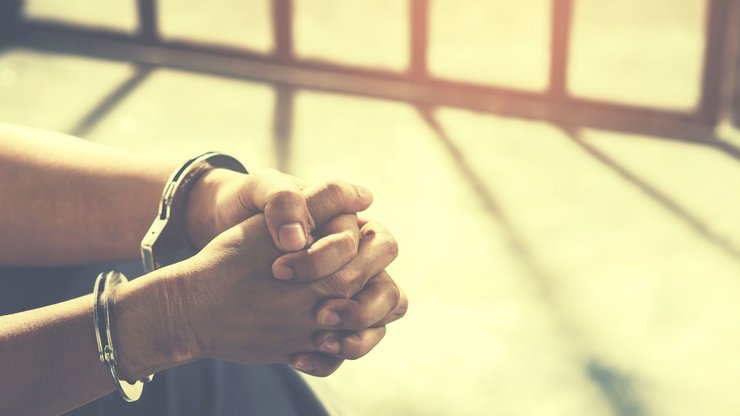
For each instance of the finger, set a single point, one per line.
(333, 198)
(280, 197)
(349, 345)
(339, 224)
(399, 312)
(374, 303)
(362, 220)
(378, 248)
(328, 255)
(315, 363)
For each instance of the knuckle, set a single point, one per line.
(333, 189)
(356, 346)
(336, 189)
(347, 244)
(391, 246)
(358, 319)
(345, 275)
(354, 351)
(394, 294)
(339, 285)
(401, 308)
(285, 198)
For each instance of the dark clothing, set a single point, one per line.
(202, 388)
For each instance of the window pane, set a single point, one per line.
(638, 52)
(501, 42)
(181, 113)
(362, 33)
(55, 91)
(120, 15)
(243, 24)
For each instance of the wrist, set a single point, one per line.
(202, 219)
(146, 327)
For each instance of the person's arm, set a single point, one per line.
(223, 303)
(48, 356)
(67, 201)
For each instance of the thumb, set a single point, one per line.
(279, 197)
(330, 199)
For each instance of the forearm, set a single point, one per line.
(48, 356)
(68, 201)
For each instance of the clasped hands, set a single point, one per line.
(287, 273)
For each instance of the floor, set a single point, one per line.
(551, 269)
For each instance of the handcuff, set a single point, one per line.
(166, 241)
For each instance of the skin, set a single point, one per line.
(330, 301)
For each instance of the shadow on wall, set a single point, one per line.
(617, 389)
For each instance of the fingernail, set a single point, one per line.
(303, 364)
(292, 237)
(364, 193)
(282, 272)
(330, 318)
(330, 346)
